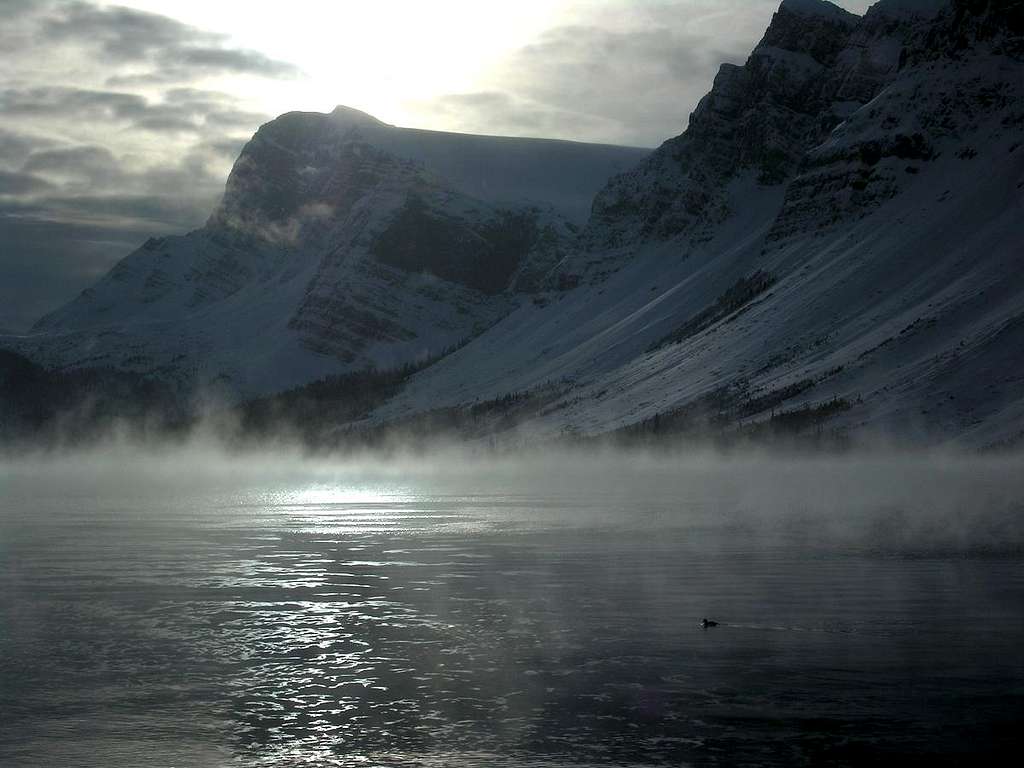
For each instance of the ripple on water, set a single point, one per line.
(463, 632)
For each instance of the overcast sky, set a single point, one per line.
(121, 121)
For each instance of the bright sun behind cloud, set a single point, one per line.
(379, 57)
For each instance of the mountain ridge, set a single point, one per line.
(859, 312)
(829, 246)
(293, 278)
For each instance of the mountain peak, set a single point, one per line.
(814, 28)
(819, 8)
(344, 114)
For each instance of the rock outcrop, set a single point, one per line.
(815, 66)
(340, 243)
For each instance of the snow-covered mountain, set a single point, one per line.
(836, 240)
(340, 243)
(840, 232)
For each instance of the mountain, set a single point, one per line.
(834, 242)
(340, 243)
(832, 249)
(815, 67)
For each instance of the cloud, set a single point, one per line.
(224, 148)
(22, 184)
(194, 169)
(231, 61)
(86, 165)
(156, 214)
(225, 120)
(191, 110)
(89, 171)
(63, 101)
(503, 113)
(90, 185)
(44, 262)
(110, 135)
(167, 123)
(113, 127)
(174, 51)
(60, 244)
(15, 147)
(630, 75)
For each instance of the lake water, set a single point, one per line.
(181, 615)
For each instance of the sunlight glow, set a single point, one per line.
(328, 494)
(378, 57)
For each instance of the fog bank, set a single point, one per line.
(919, 503)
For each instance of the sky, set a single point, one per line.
(121, 121)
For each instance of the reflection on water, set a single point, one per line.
(386, 626)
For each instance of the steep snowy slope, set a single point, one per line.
(834, 243)
(881, 273)
(340, 243)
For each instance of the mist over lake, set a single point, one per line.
(456, 609)
(547, 384)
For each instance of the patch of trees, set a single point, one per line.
(483, 419)
(774, 398)
(800, 420)
(704, 416)
(567, 281)
(46, 408)
(729, 415)
(734, 299)
(318, 413)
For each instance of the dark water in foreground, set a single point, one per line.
(393, 625)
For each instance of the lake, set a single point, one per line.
(199, 610)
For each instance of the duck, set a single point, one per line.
(705, 623)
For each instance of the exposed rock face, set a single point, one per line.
(836, 234)
(997, 25)
(301, 171)
(341, 242)
(815, 66)
(838, 231)
(954, 82)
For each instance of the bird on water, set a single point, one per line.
(705, 623)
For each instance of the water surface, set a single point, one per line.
(340, 620)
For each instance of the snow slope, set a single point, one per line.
(896, 250)
(302, 269)
(839, 229)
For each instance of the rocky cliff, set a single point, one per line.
(832, 247)
(340, 243)
(815, 66)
